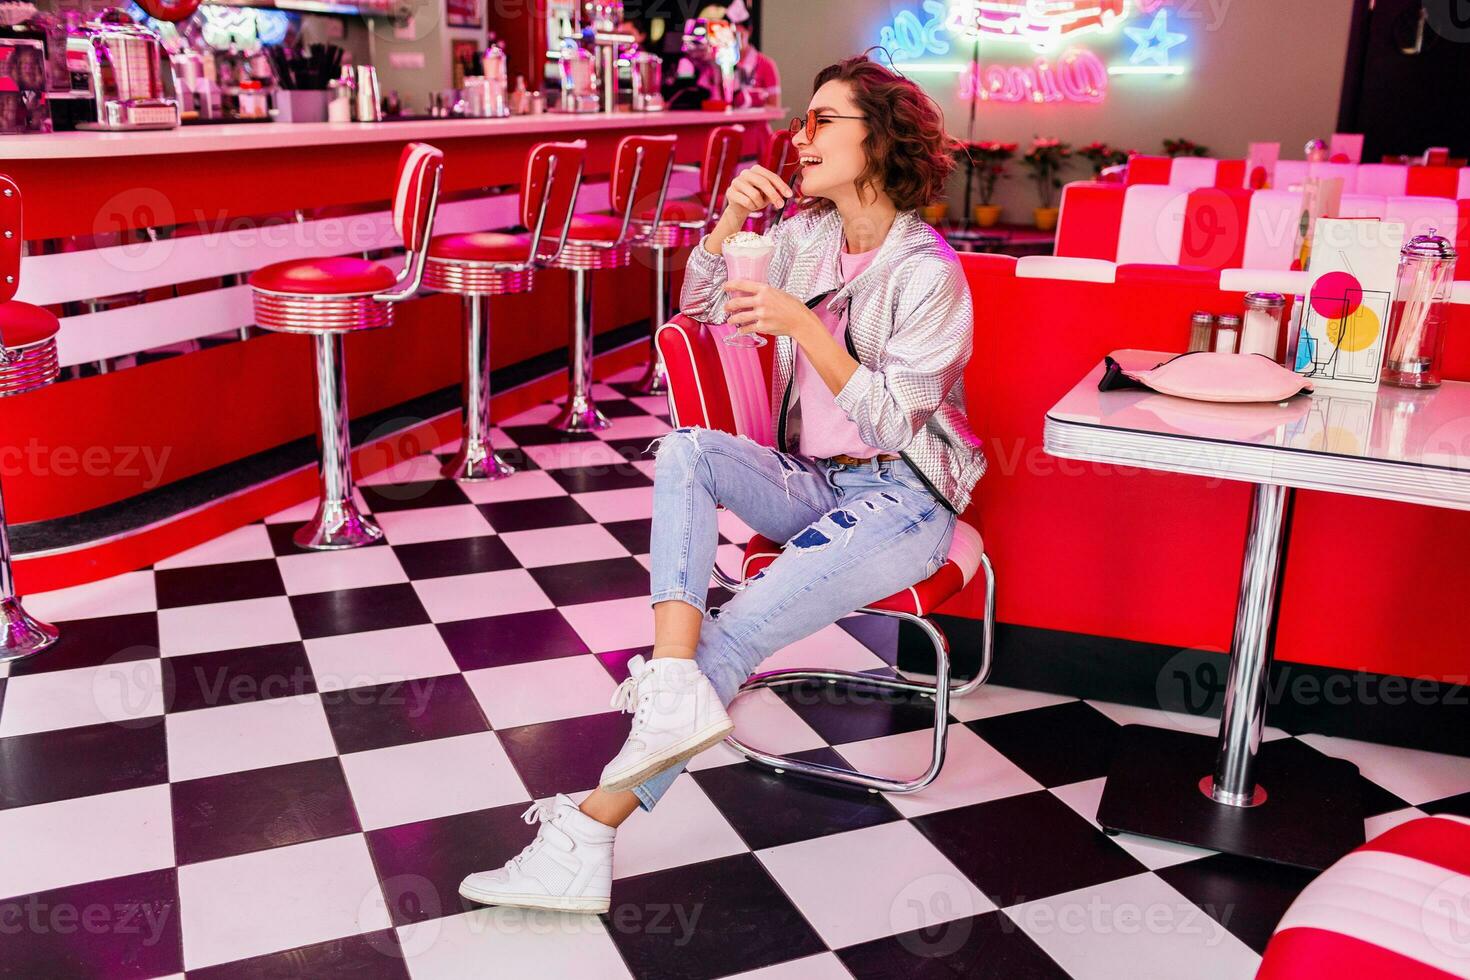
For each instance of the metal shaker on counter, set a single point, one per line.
(578, 78)
(368, 100)
(648, 82)
(497, 82)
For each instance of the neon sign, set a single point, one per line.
(1036, 21)
(908, 38)
(1154, 42)
(1076, 74)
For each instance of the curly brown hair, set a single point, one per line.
(909, 154)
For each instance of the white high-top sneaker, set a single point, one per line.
(676, 715)
(568, 867)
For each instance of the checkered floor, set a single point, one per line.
(252, 761)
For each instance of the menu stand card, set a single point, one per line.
(1260, 165)
(1320, 196)
(1354, 264)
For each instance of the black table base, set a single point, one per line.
(1312, 814)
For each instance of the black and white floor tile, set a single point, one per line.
(251, 761)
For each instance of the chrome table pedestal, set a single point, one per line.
(1305, 809)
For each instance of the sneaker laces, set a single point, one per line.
(545, 815)
(630, 700)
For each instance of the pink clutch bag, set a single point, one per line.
(1208, 376)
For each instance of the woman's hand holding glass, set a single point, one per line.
(759, 308)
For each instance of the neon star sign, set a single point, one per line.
(1060, 31)
(1154, 42)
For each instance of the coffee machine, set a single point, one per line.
(121, 78)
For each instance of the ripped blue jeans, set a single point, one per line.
(854, 535)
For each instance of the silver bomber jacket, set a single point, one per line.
(910, 326)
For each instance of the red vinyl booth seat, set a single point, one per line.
(1397, 908)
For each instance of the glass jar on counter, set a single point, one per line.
(1415, 342)
(1261, 330)
(253, 102)
(1227, 333)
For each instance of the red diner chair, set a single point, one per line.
(640, 182)
(27, 362)
(716, 386)
(482, 264)
(685, 223)
(331, 297)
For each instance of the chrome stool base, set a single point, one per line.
(477, 461)
(337, 524)
(580, 415)
(655, 380)
(21, 634)
(477, 465)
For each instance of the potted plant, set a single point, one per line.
(1182, 147)
(1103, 156)
(1045, 160)
(990, 159)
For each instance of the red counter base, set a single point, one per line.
(401, 439)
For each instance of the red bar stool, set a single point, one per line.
(685, 222)
(27, 362)
(484, 264)
(640, 177)
(329, 298)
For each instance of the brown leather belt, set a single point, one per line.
(845, 460)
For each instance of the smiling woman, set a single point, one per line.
(874, 457)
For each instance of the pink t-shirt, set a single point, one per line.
(825, 429)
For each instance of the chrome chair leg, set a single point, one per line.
(580, 413)
(655, 380)
(477, 459)
(21, 634)
(941, 690)
(337, 523)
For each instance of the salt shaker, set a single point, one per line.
(1416, 325)
(1201, 329)
(1227, 332)
(1261, 333)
